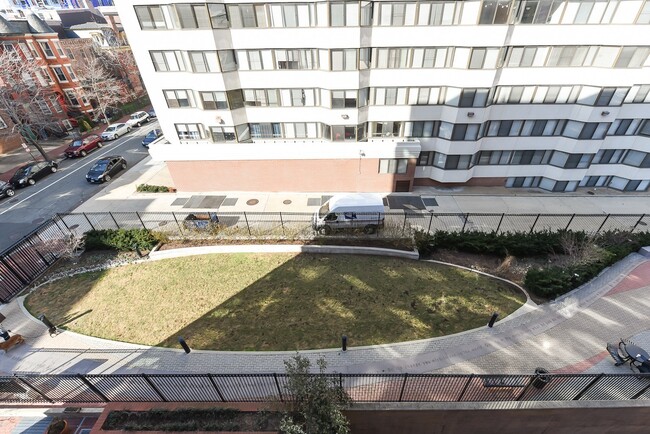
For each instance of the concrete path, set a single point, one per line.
(567, 335)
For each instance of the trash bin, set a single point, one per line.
(541, 378)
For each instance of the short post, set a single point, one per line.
(184, 345)
(344, 343)
(137, 250)
(51, 328)
(493, 319)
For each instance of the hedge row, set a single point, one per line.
(546, 282)
(490, 243)
(123, 240)
(148, 188)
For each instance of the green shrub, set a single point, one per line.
(424, 242)
(122, 240)
(146, 188)
(490, 243)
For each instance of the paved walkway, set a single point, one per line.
(567, 335)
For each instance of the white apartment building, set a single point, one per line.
(388, 95)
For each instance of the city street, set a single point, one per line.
(64, 190)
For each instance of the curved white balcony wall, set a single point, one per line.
(595, 34)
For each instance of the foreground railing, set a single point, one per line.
(25, 389)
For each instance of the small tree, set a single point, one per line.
(23, 95)
(317, 400)
(100, 86)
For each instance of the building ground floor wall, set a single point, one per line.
(335, 175)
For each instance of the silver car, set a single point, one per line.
(114, 131)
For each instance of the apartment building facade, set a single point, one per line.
(62, 96)
(385, 95)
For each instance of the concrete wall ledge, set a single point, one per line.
(282, 248)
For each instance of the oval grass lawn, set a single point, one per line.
(274, 301)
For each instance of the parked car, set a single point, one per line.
(152, 114)
(137, 119)
(32, 172)
(151, 136)
(105, 168)
(6, 189)
(114, 131)
(82, 146)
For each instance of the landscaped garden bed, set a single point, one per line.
(193, 419)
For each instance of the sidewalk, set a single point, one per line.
(120, 195)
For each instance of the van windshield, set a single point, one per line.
(324, 210)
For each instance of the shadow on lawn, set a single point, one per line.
(312, 300)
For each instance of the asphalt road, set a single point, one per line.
(64, 190)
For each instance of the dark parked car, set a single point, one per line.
(82, 146)
(104, 169)
(32, 172)
(151, 136)
(6, 189)
(152, 114)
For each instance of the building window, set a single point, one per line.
(227, 60)
(495, 11)
(60, 75)
(296, 59)
(214, 100)
(47, 49)
(69, 53)
(70, 72)
(168, 61)
(45, 109)
(179, 98)
(189, 131)
(59, 50)
(344, 60)
(72, 97)
(218, 15)
(265, 130)
(193, 16)
(54, 102)
(3, 125)
(223, 134)
(25, 50)
(150, 17)
(393, 165)
(344, 99)
(204, 61)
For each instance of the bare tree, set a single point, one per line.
(100, 86)
(120, 60)
(24, 93)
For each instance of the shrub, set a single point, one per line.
(122, 240)
(146, 188)
(424, 242)
(490, 243)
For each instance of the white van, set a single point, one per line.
(350, 211)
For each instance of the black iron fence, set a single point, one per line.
(31, 256)
(360, 387)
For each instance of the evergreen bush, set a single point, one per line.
(122, 240)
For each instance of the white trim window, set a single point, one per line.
(59, 50)
(42, 104)
(189, 131)
(25, 50)
(72, 97)
(54, 102)
(3, 125)
(45, 46)
(167, 61)
(71, 73)
(179, 98)
(33, 49)
(60, 75)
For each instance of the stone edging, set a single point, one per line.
(282, 248)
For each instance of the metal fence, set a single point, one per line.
(31, 256)
(360, 387)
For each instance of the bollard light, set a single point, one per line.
(493, 319)
(344, 343)
(184, 344)
(51, 328)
